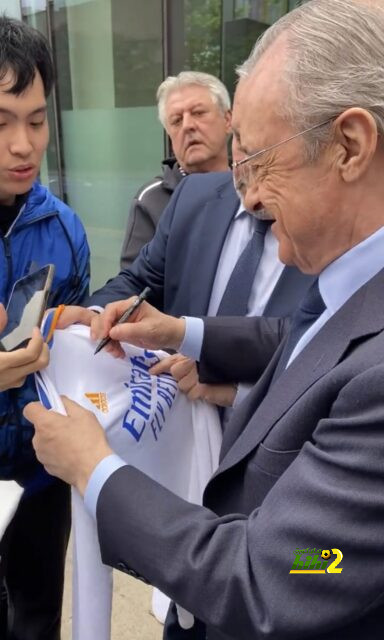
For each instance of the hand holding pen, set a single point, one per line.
(125, 316)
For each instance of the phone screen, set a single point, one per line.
(26, 307)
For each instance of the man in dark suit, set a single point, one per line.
(182, 260)
(299, 488)
(190, 261)
(188, 264)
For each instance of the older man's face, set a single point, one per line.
(304, 199)
(198, 129)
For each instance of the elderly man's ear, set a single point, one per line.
(228, 121)
(356, 139)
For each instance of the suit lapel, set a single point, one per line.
(361, 316)
(214, 223)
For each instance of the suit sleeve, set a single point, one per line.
(233, 571)
(239, 349)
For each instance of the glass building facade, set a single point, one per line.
(110, 57)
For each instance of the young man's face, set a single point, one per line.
(23, 137)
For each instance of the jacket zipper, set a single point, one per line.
(50, 214)
(7, 249)
(8, 257)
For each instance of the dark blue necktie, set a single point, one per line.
(236, 295)
(311, 308)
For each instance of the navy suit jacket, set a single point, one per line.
(180, 262)
(302, 468)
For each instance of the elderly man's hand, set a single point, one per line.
(185, 372)
(147, 328)
(16, 365)
(71, 446)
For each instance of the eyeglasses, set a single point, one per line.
(244, 171)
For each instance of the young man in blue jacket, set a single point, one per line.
(35, 229)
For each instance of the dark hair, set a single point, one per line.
(23, 50)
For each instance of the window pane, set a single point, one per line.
(243, 22)
(11, 8)
(194, 28)
(108, 56)
(112, 141)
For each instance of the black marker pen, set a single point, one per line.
(140, 298)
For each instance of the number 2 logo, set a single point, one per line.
(333, 566)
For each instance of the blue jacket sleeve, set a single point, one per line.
(75, 288)
(83, 272)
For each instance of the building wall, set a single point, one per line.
(111, 55)
(111, 139)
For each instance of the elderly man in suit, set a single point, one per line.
(300, 485)
(204, 243)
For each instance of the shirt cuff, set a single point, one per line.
(99, 476)
(193, 338)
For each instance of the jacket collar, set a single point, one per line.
(40, 202)
(360, 317)
(210, 230)
(171, 174)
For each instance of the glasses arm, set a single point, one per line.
(239, 163)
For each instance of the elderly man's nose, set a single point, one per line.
(188, 121)
(251, 198)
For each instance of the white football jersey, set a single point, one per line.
(148, 422)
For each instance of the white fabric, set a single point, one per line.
(149, 424)
(10, 495)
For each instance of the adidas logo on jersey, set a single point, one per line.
(99, 399)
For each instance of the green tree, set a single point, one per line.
(203, 35)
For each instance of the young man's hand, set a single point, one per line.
(16, 365)
(76, 315)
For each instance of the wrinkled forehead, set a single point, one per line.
(187, 97)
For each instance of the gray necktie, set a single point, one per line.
(310, 309)
(236, 295)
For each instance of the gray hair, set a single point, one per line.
(335, 60)
(217, 90)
